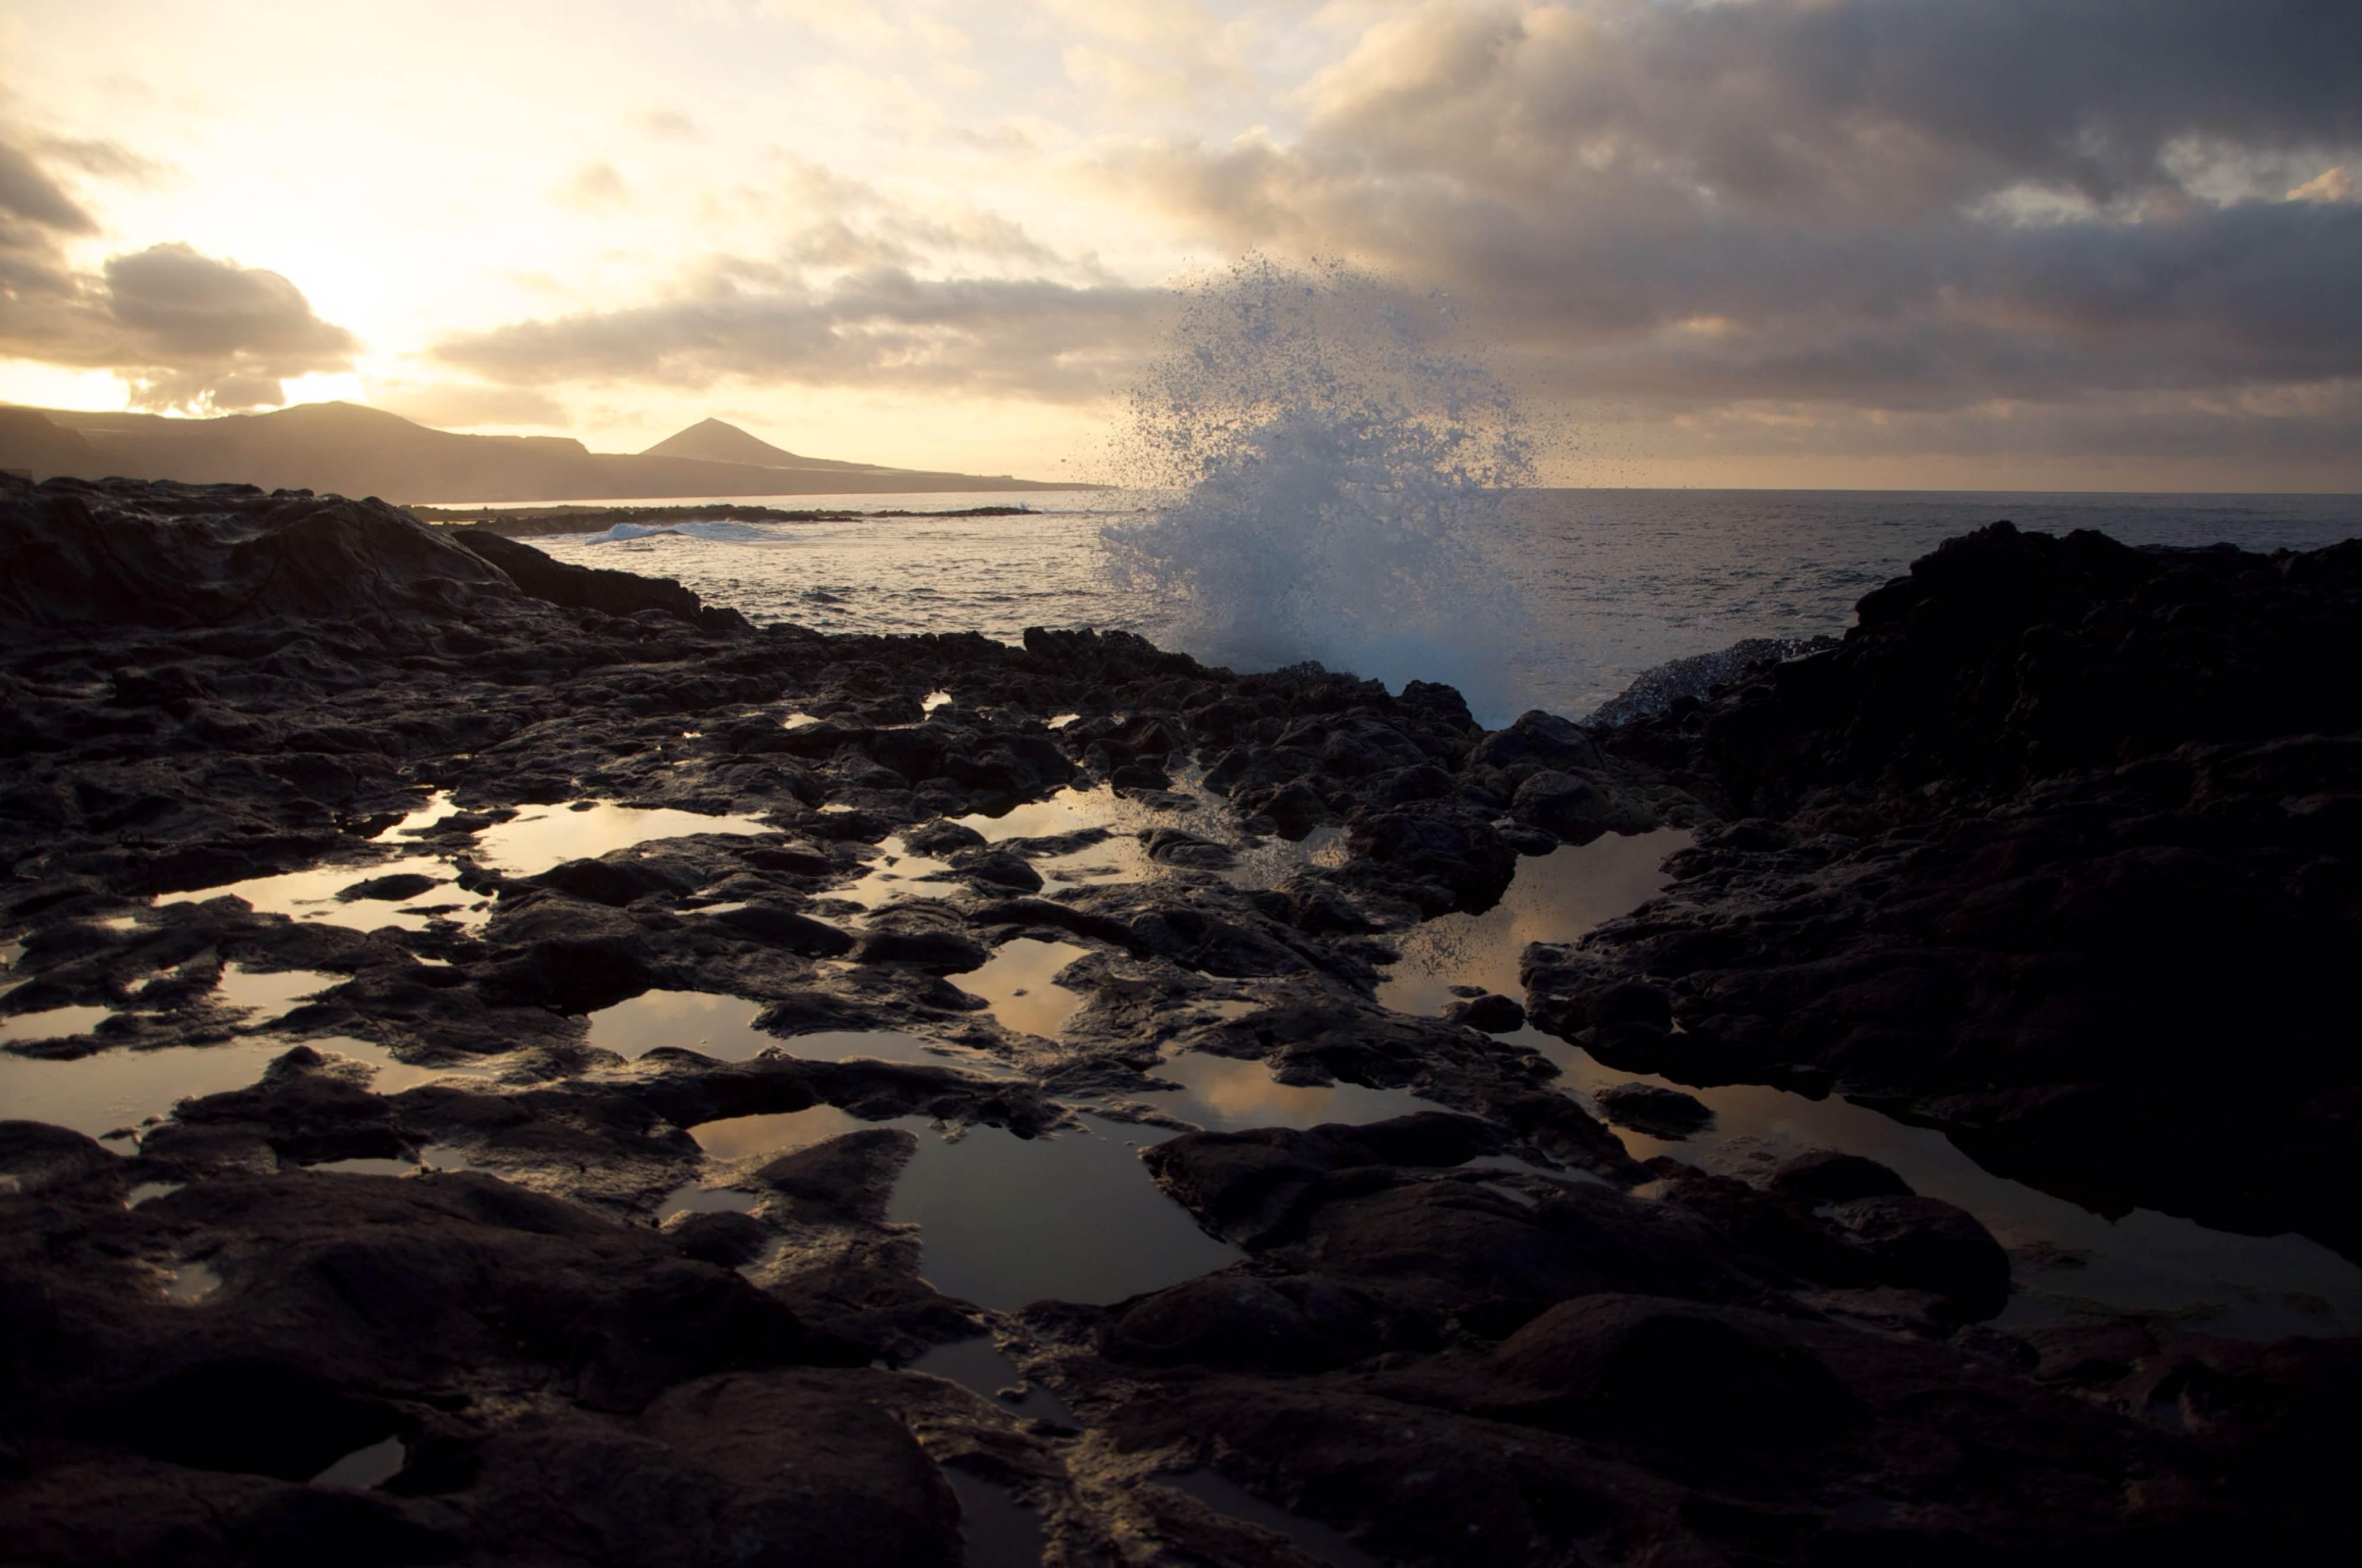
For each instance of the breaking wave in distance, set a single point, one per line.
(1331, 462)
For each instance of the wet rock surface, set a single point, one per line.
(389, 811)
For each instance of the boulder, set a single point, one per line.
(1538, 740)
(1924, 1243)
(1658, 1111)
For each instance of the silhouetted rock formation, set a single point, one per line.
(344, 448)
(2057, 840)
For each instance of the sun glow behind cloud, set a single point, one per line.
(932, 232)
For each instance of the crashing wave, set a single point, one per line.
(1330, 465)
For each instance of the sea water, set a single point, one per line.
(1319, 465)
(1614, 582)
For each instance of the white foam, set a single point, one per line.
(1331, 463)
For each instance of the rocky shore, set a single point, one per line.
(2054, 852)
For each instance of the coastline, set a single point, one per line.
(538, 522)
(1900, 850)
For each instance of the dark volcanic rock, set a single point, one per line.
(1827, 1177)
(1000, 869)
(1579, 808)
(79, 553)
(1491, 1012)
(1976, 861)
(1660, 1112)
(389, 890)
(2050, 825)
(939, 952)
(592, 588)
(1538, 740)
(1925, 1244)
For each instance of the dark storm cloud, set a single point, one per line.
(185, 330)
(1026, 337)
(1912, 103)
(1862, 202)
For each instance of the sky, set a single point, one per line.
(1949, 244)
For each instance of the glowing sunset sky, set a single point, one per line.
(1949, 243)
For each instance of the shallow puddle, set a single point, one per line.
(272, 994)
(1310, 1536)
(1068, 811)
(550, 836)
(1222, 1094)
(690, 1198)
(735, 1138)
(312, 895)
(437, 807)
(1015, 984)
(978, 1366)
(192, 1283)
(366, 1467)
(54, 1023)
(1557, 897)
(110, 1089)
(896, 875)
(1004, 1220)
(366, 1165)
(391, 1076)
(721, 1027)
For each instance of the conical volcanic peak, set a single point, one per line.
(714, 441)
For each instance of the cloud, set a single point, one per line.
(29, 195)
(882, 327)
(182, 329)
(2329, 185)
(669, 125)
(1848, 205)
(105, 160)
(851, 225)
(594, 185)
(1150, 53)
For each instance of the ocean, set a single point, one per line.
(1608, 583)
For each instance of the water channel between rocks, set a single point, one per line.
(2065, 1260)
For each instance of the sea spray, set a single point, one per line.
(1326, 461)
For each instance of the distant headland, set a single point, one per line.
(352, 450)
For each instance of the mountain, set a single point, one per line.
(31, 442)
(711, 441)
(353, 450)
